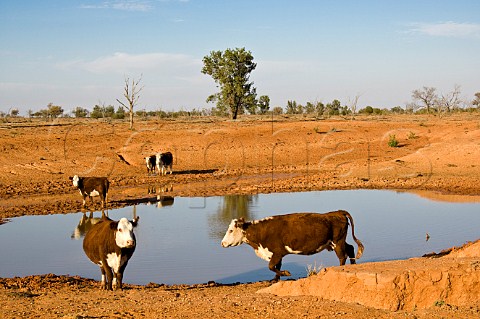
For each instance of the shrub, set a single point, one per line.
(392, 141)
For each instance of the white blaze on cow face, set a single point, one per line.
(124, 235)
(234, 235)
(75, 180)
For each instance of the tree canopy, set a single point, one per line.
(231, 71)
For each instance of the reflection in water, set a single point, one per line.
(85, 224)
(162, 199)
(231, 207)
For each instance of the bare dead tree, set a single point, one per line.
(131, 92)
(352, 104)
(451, 101)
(427, 96)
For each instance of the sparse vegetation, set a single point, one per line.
(392, 141)
(412, 136)
(313, 270)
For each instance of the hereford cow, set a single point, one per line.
(274, 237)
(151, 162)
(92, 186)
(164, 161)
(110, 244)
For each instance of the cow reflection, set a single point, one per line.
(161, 199)
(85, 223)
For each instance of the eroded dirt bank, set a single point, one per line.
(244, 157)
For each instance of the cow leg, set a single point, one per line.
(274, 265)
(108, 271)
(104, 283)
(84, 200)
(340, 251)
(350, 251)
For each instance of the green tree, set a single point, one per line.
(231, 71)
(264, 104)
(80, 112)
(97, 112)
(291, 107)
(120, 114)
(54, 111)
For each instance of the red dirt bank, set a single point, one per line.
(247, 156)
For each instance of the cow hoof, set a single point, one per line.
(286, 273)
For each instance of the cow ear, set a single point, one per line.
(114, 225)
(70, 178)
(135, 221)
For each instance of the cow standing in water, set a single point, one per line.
(110, 244)
(92, 186)
(274, 237)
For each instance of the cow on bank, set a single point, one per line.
(274, 237)
(110, 244)
(91, 187)
(164, 162)
(151, 162)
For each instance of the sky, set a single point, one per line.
(78, 53)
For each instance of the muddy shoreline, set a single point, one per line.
(437, 158)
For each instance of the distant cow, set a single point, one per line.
(110, 244)
(92, 186)
(164, 161)
(274, 237)
(151, 162)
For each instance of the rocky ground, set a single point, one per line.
(435, 157)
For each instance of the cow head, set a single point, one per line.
(75, 179)
(124, 236)
(235, 234)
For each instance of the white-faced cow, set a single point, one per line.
(110, 244)
(151, 162)
(274, 237)
(164, 162)
(92, 186)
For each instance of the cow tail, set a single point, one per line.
(359, 243)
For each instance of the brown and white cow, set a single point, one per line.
(91, 187)
(164, 162)
(274, 237)
(151, 162)
(110, 244)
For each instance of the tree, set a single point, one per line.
(353, 105)
(14, 112)
(291, 107)
(131, 92)
(264, 104)
(80, 112)
(427, 96)
(231, 71)
(54, 111)
(476, 101)
(450, 101)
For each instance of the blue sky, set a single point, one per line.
(78, 52)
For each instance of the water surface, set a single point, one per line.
(179, 242)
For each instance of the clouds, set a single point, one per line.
(125, 5)
(446, 29)
(125, 63)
